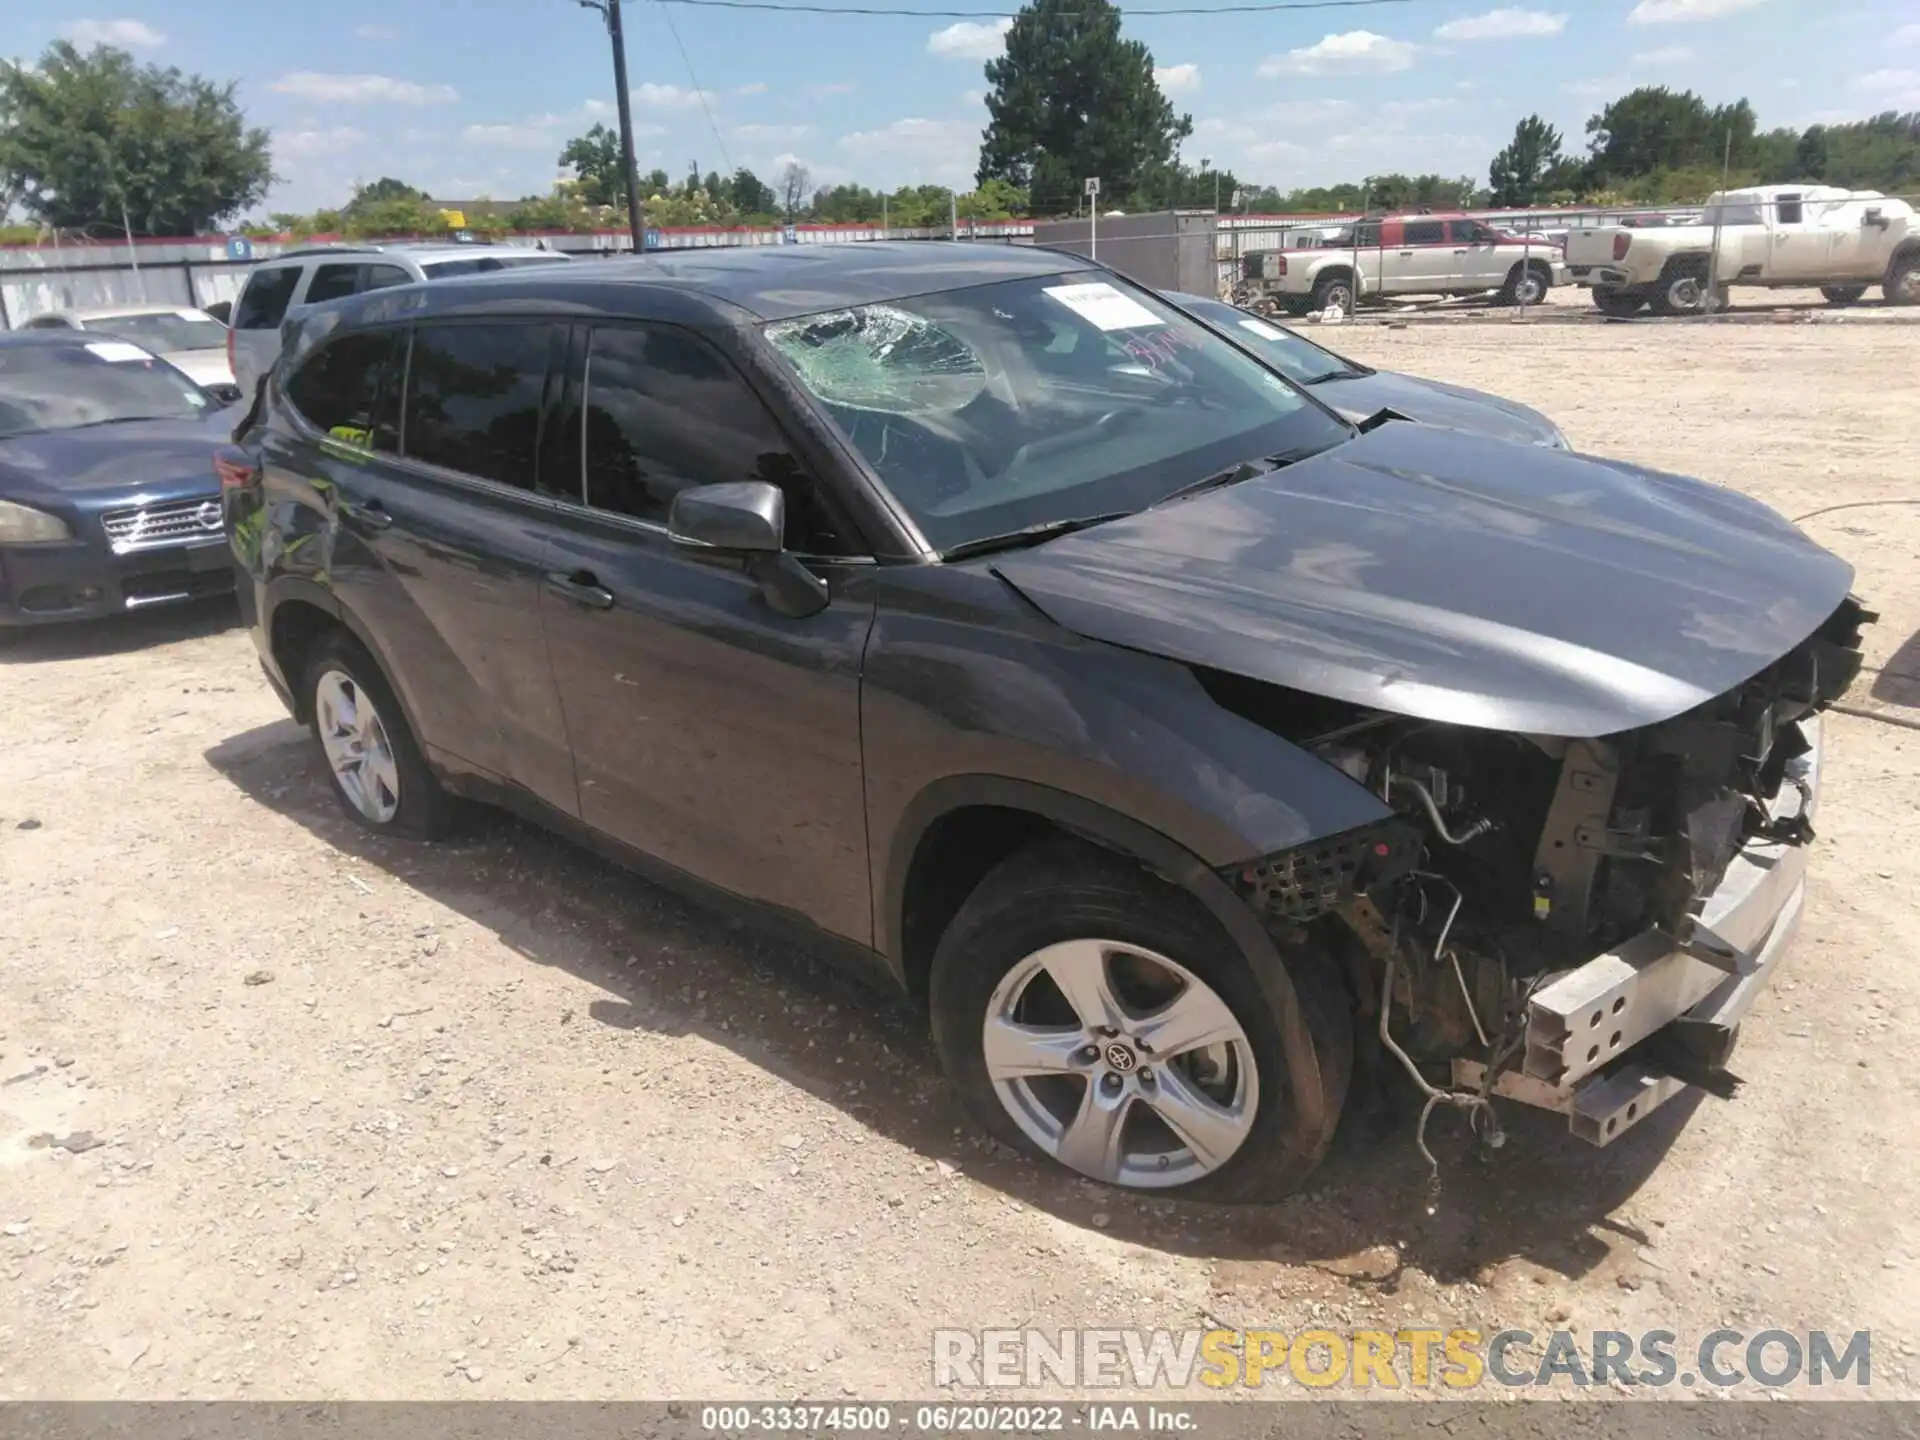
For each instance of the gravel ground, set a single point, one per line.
(354, 1119)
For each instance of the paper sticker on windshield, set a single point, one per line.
(1262, 329)
(189, 314)
(118, 351)
(1102, 305)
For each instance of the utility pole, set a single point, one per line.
(953, 216)
(629, 170)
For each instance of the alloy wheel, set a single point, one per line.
(356, 745)
(1120, 1063)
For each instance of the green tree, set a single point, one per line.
(1071, 99)
(1810, 155)
(750, 195)
(594, 159)
(87, 138)
(1522, 173)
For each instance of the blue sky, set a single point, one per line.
(476, 97)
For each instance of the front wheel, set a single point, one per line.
(1902, 285)
(1842, 294)
(1526, 285)
(1097, 1017)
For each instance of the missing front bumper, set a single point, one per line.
(1582, 1029)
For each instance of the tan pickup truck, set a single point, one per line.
(1403, 255)
(1776, 236)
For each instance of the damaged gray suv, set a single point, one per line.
(1196, 756)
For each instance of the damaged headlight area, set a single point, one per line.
(1573, 923)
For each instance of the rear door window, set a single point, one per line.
(351, 388)
(474, 397)
(332, 282)
(263, 304)
(1424, 232)
(382, 277)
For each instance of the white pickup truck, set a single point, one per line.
(1402, 255)
(1777, 236)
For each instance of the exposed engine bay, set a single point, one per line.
(1567, 922)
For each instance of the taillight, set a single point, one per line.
(235, 470)
(1620, 243)
(1279, 266)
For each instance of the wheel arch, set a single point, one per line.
(960, 827)
(298, 614)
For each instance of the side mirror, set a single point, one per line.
(1875, 217)
(746, 516)
(748, 519)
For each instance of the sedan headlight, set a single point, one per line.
(22, 525)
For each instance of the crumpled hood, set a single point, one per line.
(1433, 402)
(1437, 574)
(161, 459)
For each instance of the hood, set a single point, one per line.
(1437, 574)
(1434, 403)
(157, 459)
(203, 367)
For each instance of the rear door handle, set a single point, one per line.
(1406, 253)
(373, 514)
(582, 588)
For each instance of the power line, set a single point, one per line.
(1256, 9)
(694, 80)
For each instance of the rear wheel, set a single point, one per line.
(379, 775)
(1335, 292)
(1682, 291)
(1842, 294)
(1097, 1017)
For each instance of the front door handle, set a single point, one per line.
(1406, 254)
(373, 514)
(1459, 252)
(582, 588)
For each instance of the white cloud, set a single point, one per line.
(362, 89)
(772, 132)
(302, 144)
(1665, 55)
(971, 98)
(667, 97)
(933, 150)
(1502, 25)
(1685, 12)
(1351, 52)
(758, 87)
(539, 132)
(1306, 112)
(128, 34)
(1598, 88)
(970, 40)
(1178, 79)
(1907, 35)
(1899, 89)
(375, 32)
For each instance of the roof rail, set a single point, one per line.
(333, 249)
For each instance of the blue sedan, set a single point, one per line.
(108, 497)
(1357, 391)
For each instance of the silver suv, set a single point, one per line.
(288, 283)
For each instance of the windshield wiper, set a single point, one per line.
(1348, 372)
(1030, 534)
(1245, 470)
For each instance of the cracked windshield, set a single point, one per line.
(994, 408)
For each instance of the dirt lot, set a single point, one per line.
(494, 1119)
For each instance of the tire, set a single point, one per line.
(1902, 285)
(1296, 305)
(1842, 294)
(354, 716)
(1069, 908)
(1527, 284)
(1617, 304)
(1333, 291)
(1682, 290)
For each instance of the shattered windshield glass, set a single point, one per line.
(1024, 402)
(881, 358)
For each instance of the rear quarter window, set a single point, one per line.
(350, 388)
(263, 304)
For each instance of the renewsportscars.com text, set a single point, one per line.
(1413, 1358)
